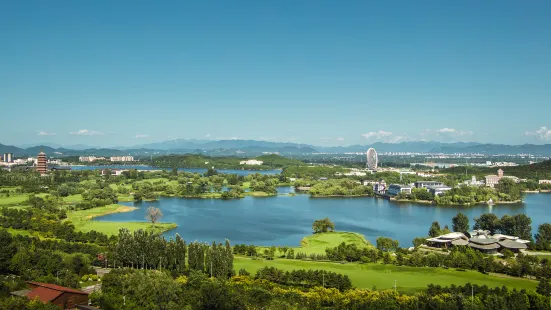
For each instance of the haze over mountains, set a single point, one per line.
(253, 147)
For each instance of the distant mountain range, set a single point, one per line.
(252, 148)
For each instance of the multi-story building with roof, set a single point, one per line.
(42, 163)
(122, 158)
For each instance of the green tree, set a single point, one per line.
(418, 241)
(324, 225)
(519, 225)
(434, 230)
(508, 187)
(460, 223)
(543, 237)
(487, 221)
(386, 244)
(7, 250)
(544, 287)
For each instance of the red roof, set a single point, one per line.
(44, 294)
(56, 288)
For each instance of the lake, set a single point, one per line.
(285, 220)
(192, 170)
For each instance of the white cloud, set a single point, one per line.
(141, 136)
(207, 135)
(447, 130)
(543, 133)
(377, 135)
(86, 132)
(454, 132)
(43, 133)
(398, 139)
(340, 139)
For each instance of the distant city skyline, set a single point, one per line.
(322, 73)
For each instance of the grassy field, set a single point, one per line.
(13, 200)
(72, 199)
(83, 221)
(19, 232)
(408, 279)
(318, 242)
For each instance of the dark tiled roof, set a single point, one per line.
(57, 288)
(483, 240)
(491, 246)
(44, 294)
(512, 244)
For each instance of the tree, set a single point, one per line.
(153, 215)
(418, 241)
(386, 244)
(460, 223)
(7, 252)
(508, 187)
(544, 287)
(434, 230)
(321, 226)
(519, 225)
(543, 237)
(487, 221)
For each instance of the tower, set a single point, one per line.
(42, 164)
(500, 173)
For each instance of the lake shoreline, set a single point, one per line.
(285, 219)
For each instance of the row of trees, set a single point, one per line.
(155, 291)
(305, 278)
(147, 250)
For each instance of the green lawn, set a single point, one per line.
(408, 279)
(13, 199)
(317, 243)
(83, 221)
(72, 199)
(19, 232)
(125, 198)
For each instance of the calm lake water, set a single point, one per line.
(193, 170)
(285, 220)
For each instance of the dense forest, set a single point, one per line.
(537, 171)
(201, 161)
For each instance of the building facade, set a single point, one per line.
(7, 157)
(251, 162)
(395, 189)
(121, 158)
(425, 184)
(438, 190)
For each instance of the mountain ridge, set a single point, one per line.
(254, 147)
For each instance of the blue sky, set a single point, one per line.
(320, 72)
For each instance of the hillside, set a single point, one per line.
(202, 161)
(537, 171)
